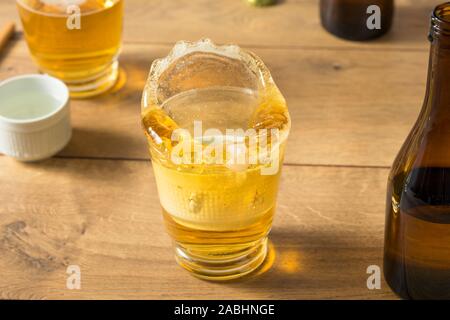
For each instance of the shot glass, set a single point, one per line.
(216, 126)
(77, 41)
(34, 117)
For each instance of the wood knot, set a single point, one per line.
(32, 246)
(337, 66)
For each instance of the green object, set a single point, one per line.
(261, 3)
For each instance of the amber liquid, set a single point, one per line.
(218, 215)
(417, 251)
(245, 247)
(85, 58)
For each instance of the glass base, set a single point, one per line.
(219, 263)
(94, 86)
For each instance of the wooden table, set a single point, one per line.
(95, 204)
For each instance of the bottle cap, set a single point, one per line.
(261, 3)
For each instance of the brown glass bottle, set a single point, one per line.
(417, 235)
(348, 18)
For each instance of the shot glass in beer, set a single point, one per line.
(216, 126)
(77, 41)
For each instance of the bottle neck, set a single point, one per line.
(438, 91)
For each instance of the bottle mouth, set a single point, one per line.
(440, 21)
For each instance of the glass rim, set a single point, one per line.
(440, 19)
(151, 99)
(25, 5)
(184, 48)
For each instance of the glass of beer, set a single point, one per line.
(77, 41)
(216, 126)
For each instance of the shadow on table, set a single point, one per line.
(82, 171)
(86, 149)
(131, 82)
(122, 104)
(136, 69)
(304, 261)
(106, 144)
(8, 47)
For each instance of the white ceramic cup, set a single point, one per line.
(34, 117)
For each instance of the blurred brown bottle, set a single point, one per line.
(357, 19)
(417, 235)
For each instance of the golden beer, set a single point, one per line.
(84, 56)
(218, 212)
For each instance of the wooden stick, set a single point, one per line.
(6, 33)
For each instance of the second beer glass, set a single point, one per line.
(77, 41)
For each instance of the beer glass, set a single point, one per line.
(217, 126)
(77, 41)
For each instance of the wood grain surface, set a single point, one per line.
(104, 216)
(95, 204)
